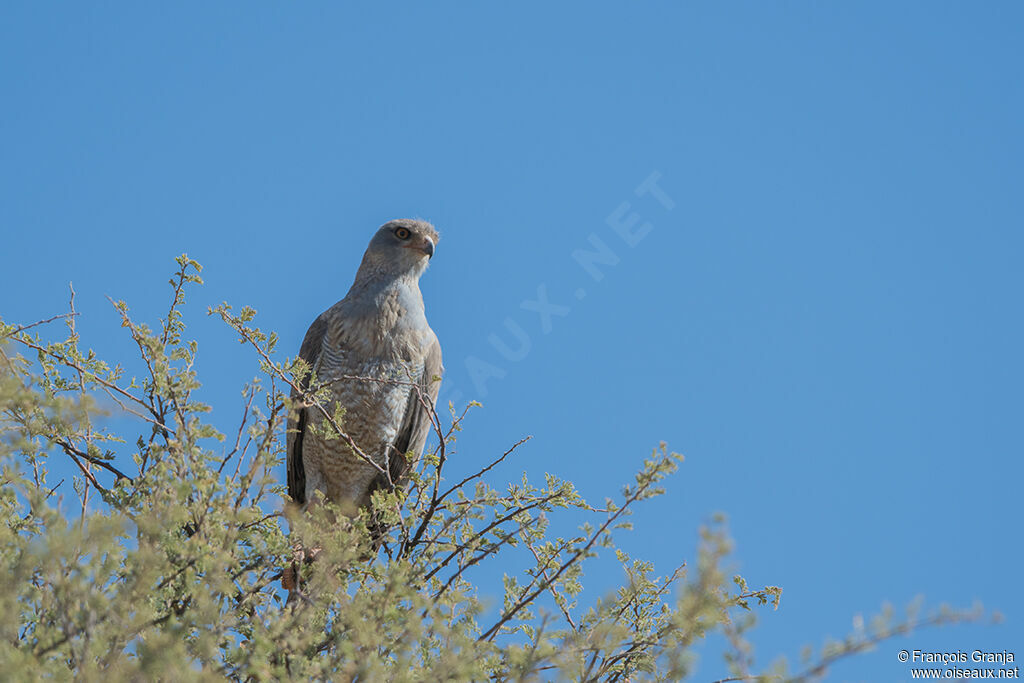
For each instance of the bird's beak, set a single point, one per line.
(424, 245)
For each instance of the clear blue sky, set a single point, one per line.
(824, 314)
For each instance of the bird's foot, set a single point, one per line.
(290, 576)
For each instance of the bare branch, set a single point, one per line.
(22, 328)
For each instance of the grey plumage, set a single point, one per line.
(368, 349)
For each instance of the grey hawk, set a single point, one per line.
(382, 364)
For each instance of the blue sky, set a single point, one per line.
(823, 312)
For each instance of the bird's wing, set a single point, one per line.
(309, 352)
(416, 422)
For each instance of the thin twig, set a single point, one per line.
(22, 328)
(527, 599)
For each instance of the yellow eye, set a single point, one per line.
(402, 233)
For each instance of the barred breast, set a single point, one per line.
(374, 408)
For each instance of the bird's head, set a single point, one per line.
(401, 247)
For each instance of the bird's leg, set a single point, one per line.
(291, 577)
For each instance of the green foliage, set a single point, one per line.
(167, 560)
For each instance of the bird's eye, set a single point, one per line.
(402, 233)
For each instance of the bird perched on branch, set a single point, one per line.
(381, 363)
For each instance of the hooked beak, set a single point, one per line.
(423, 245)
